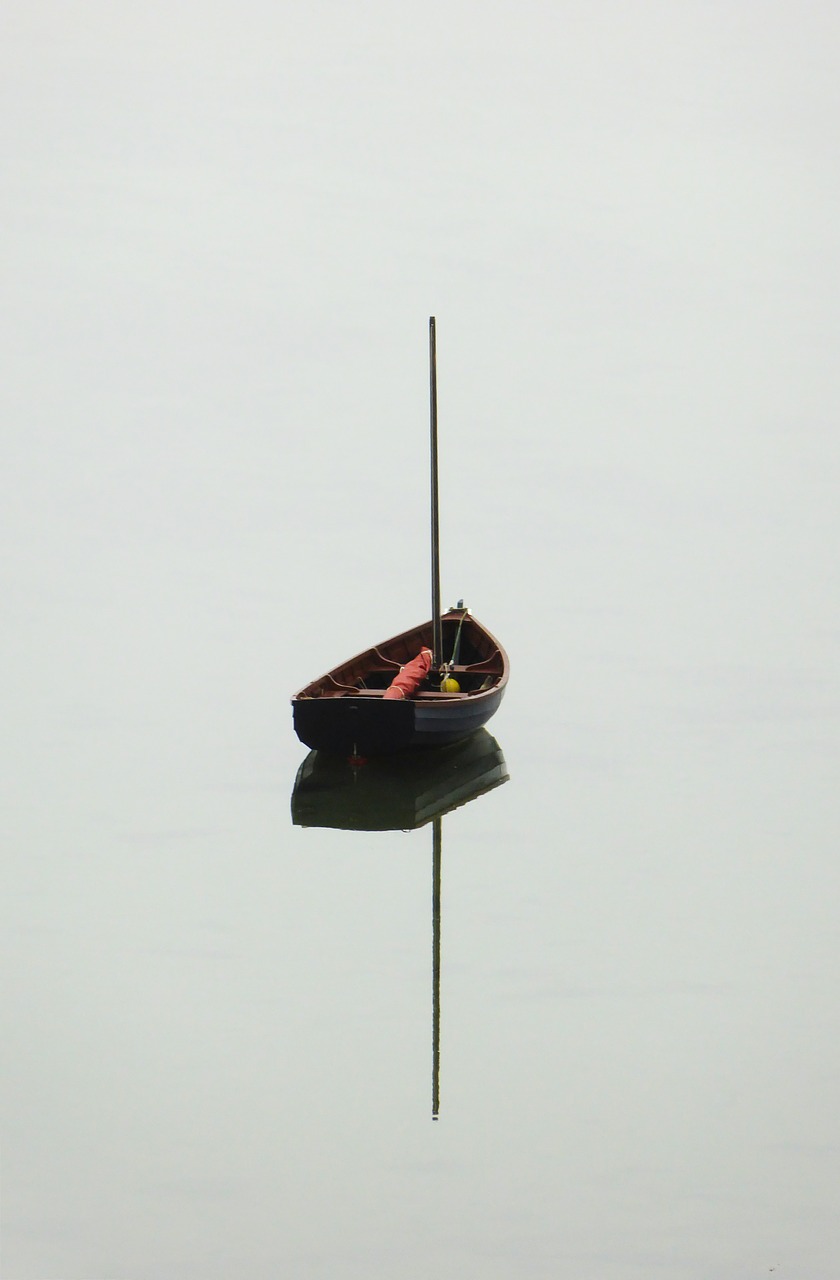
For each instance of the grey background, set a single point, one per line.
(224, 229)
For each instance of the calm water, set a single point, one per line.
(225, 233)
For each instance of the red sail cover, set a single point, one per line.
(403, 685)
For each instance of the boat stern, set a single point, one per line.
(348, 726)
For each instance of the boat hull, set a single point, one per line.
(332, 715)
(357, 726)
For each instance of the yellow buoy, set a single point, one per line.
(450, 685)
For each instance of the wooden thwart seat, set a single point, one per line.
(424, 694)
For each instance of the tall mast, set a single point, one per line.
(437, 640)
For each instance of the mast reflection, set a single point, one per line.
(402, 793)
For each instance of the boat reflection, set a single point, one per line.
(401, 793)
(396, 793)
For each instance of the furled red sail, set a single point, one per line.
(404, 684)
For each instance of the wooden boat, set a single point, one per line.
(352, 711)
(346, 713)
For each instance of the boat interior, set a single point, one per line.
(476, 662)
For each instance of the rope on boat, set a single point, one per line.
(391, 661)
(456, 648)
(339, 685)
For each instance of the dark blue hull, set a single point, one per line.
(371, 727)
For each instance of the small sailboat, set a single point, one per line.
(426, 687)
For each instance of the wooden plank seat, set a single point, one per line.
(487, 666)
(379, 693)
(432, 695)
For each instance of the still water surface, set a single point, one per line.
(218, 1027)
(219, 1024)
